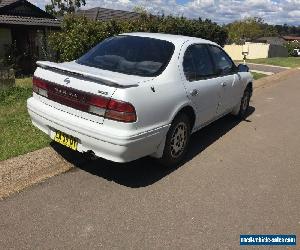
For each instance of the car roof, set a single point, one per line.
(176, 39)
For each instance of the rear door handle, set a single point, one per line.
(223, 84)
(194, 92)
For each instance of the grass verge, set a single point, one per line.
(292, 62)
(18, 135)
(257, 76)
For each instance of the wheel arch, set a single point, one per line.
(189, 111)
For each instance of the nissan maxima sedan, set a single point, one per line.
(138, 94)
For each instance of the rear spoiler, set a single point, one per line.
(59, 68)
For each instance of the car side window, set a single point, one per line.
(197, 63)
(223, 63)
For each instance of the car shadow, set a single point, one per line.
(146, 171)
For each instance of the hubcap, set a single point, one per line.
(178, 140)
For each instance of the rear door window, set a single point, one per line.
(224, 65)
(197, 63)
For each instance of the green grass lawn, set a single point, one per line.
(18, 135)
(292, 62)
(24, 82)
(257, 76)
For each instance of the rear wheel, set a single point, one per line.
(244, 106)
(177, 141)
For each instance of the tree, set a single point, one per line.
(61, 7)
(140, 10)
(245, 30)
(285, 29)
(78, 34)
(269, 30)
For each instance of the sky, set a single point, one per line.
(221, 11)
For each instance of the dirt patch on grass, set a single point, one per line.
(26, 170)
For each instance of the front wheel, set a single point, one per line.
(244, 106)
(177, 141)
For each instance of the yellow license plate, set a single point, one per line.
(66, 140)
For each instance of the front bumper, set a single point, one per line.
(102, 140)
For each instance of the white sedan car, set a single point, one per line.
(138, 94)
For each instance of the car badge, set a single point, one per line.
(67, 80)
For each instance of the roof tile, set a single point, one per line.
(7, 2)
(103, 14)
(30, 21)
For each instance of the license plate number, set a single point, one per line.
(66, 140)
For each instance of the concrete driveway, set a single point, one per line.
(240, 178)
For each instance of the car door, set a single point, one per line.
(228, 79)
(200, 83)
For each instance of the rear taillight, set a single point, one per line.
(112, 109)
(120, 111)
(98, 104)
(40, 86)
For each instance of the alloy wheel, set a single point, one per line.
(179, 139)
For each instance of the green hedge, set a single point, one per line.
(79, 34)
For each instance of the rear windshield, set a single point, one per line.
(130, 55)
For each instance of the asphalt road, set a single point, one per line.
(266, 68)
(240, 178)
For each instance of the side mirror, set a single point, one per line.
(243, 68)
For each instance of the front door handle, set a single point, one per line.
(194, 92)
(223, 84)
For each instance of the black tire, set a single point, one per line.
(178, 138)
(244, 104)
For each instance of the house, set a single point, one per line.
(277, 40)
(291, 38)
(263, 47)
(102, 14)
(255, 50)
(23, 29)
(274, 40)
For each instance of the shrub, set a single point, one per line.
(79, 34)
(291, 46)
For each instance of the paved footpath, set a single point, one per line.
(240, 178)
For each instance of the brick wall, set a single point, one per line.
(256, 50)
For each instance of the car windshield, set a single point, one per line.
(130, 55)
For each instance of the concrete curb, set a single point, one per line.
(26, 170)
(262, 72)
(275, 77)
(262, 64)
(268, 65)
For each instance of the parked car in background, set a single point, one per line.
(296, 52)
(138, 94)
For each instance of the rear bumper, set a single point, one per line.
(102, 140)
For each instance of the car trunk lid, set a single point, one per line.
(72, 86)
